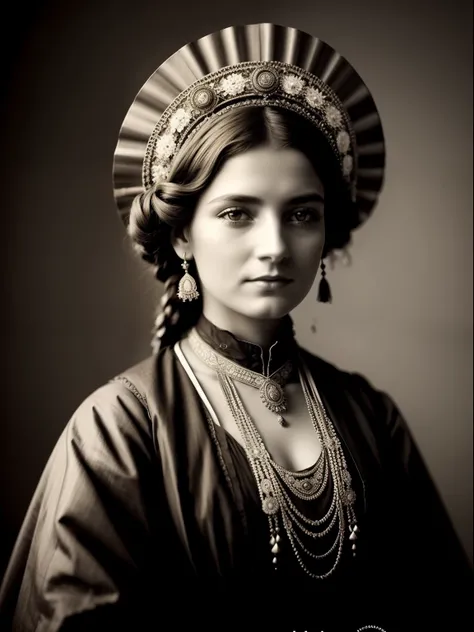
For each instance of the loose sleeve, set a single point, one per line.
(87, 535)
(431, 568)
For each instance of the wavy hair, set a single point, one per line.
(169, 206)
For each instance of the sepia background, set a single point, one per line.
(78, 306)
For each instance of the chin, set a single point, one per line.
(268, 308)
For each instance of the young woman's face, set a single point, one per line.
(262, 216)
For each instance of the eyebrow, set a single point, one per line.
(249, 199)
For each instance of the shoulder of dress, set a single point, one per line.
(138, 379)
(149, 377)
(114, 404)
(120, 403)
(337, 376)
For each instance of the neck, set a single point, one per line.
(280, 347)
(261, 332)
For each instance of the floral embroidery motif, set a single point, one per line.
(292, 84)
(347, 164)
(165, 147)
(159, 172)
(343, 142)
(179, 120)
(233, 84)
(315, 98)
(333, 116)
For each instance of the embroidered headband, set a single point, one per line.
(249, 83)
(253, 65)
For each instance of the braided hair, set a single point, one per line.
(168, 207)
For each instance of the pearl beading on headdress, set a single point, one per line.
(261, 83)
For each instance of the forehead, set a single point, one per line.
(265, 172)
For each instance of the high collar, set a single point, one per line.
(248, 354)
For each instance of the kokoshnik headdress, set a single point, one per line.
(252, 65)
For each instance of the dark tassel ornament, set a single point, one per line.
(324, 293)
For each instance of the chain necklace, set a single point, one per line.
(270, 387)
(277, 485)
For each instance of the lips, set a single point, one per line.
(274, 278)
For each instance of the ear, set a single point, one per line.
(181, 242)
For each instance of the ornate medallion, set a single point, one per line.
(272, 395)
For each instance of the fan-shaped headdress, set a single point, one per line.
(258, 65)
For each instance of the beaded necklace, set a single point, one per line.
(277, 485)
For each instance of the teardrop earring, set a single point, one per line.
(324, 293)
(187, 287)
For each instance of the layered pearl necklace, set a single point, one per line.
(277, 485)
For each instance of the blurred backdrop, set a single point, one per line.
(78, 306)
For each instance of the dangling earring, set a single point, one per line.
(324, 294)
(187, 287)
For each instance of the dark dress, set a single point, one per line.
(147, 517)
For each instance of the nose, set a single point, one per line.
(271, 243)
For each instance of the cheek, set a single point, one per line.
(205, 240)
(215, 252)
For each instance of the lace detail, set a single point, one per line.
(131, 387)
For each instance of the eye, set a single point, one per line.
(234, 215)
(305, 215)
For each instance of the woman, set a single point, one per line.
(253, 483)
